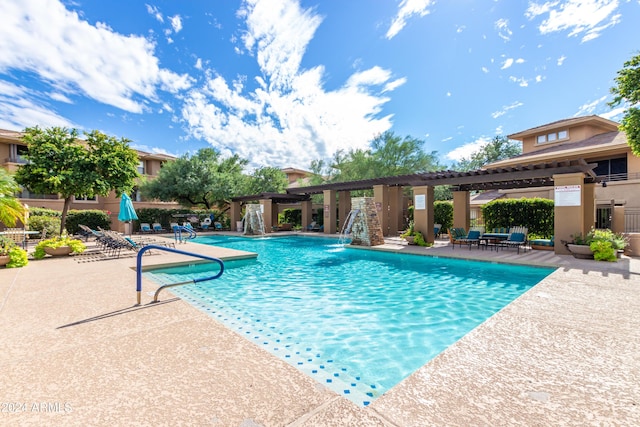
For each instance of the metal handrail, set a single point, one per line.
(177, 251)
(177, 233)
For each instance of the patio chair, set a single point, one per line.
(542, 244)
(174, 226)
(217, 226)
(205, 223)
(311, 226)
(455, 234)
(18, 235)
(145, 227)
(473, 237)
(157, 227)
(517, 238)
(436, 230)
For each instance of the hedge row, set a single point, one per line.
(536, 214)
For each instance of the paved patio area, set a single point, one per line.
(76, 351)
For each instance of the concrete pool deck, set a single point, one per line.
(76, 351)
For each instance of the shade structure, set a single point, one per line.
(127, 212)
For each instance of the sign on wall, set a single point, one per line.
(420, 203)
(568, 195)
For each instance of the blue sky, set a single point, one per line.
(285, 82)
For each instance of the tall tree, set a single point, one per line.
(11, 209)
(627, 91)
(204, 179)
(267, 179)
(499, 148)
(59, 163)
(389, 155)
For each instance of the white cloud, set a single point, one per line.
(561, 60)
(502, 25)
(155, 12)
(615, 114)
(21, 107)
(590, 107)
(176, 23)
(406, 10)
(505, 109)
(465, 151)
(44, 38)
(485, 70)
(60, 97)
(288, 115)
(580, 17)
(507, 63)
(198, 64)
(521, 81)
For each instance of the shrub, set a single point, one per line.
(536, 214)
(443, 214)
(50, 224)
(93, 218)
(18, 257)
(292, 216)
(43, 212)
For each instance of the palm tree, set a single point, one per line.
(11, 209)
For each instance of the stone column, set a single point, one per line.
(366, 229)
(574, 210)
(395, 211)
(344, 207)
(423, 212)
(461, 210)
(235, 215)
(381, 198)
(330, 211)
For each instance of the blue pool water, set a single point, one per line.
(358, 321)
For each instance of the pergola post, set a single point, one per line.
(461, 210)
(574, 208)
(344, 207)
(395, 210)
(267, 206)
(423, 212)
(329, 211)
(307, 213)
(235, 215)
(381, 198)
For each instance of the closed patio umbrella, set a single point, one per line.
(127, 212)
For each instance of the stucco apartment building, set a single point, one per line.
(596, 140)
(12, 150)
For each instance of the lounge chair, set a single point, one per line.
(455, 234)
(145, 227)
(157, 227)
(436, 230)
(517, 238)
(205, 223)
(217, 226)
(542, 244)
(311, 226)
(174, 226)
(473, 237)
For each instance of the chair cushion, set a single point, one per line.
(473, 235)
(516, 237)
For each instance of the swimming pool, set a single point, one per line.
(357, 321)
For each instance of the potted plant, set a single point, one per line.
(601, 245)
(414, 237)
(58, 246)
(409, 234)
(11, 255)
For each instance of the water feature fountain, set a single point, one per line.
(253, 220)
(363, 223)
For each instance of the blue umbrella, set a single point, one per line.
(127, 212)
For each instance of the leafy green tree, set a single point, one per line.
(60, 163)
(389, 155)
(204, 179)
(266, 179)
(627, 91)
(499, 148)
(11, 209)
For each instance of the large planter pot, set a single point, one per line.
(61, 251)
(409, 240)
(580, 251)
(4, 260)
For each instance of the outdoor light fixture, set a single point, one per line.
(604, 184)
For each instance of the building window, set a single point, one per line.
(136, 196)
(17, 152)
(612, 169)
(553, 137)
(83, 199)
(141, 168)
